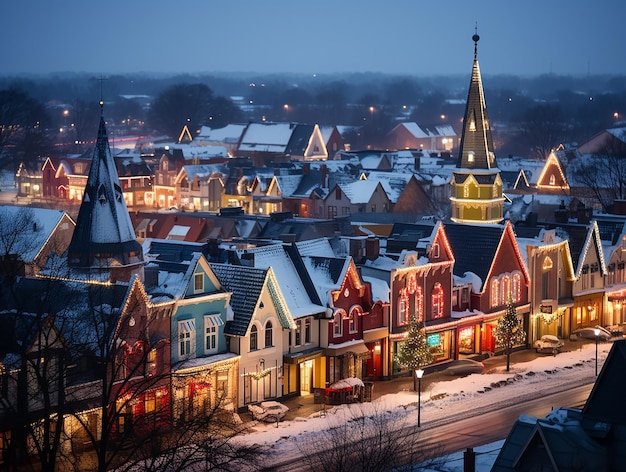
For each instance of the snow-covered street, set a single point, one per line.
(442, 401)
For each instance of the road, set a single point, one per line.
(470, 429)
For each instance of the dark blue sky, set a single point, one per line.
(416, 37)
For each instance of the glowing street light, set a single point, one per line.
(597, 333)
(419, 373)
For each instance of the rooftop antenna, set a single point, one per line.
(475, 38)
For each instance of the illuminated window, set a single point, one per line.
(419, 304)
(495, 291)
(552, 180)
(149, 402)
(470, 157)
(434, 252)
(437, 301)
(403, 308)
(198, 283)
(547, 264)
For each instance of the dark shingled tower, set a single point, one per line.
(104, 238)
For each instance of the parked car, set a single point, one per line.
(590, 333)
(549, 344)
(463, 367)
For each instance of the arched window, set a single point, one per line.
(517, 287)
(552, 180)
(505, 289)
(403, 308)
(337, 324)
(495, 292)
(254, 338)
(268, 334)
(437, 301)
(419, 305)
(353, 320)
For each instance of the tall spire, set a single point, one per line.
(104, 238)
(477, 150)
(476, 184)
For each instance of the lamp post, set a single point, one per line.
(597, 333)
(419, 373)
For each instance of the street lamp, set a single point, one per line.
(419, 373)
(597, 333)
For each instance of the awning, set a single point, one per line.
(187, 326)
(358, 347)
(300, 357)
(213, 320)
(375, 334)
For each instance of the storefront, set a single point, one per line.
(304, 371)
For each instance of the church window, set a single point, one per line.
(470, 156)
(254, 338)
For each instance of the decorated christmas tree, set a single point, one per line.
(414, 353)
(509, 332)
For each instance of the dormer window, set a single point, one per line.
(102, 194)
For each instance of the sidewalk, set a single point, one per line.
(304, 406)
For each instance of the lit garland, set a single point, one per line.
(258, 375)
(552, 161)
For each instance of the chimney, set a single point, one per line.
(287, 238)
(324, 176)
(247, 259)
(372, 247)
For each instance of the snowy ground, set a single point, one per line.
(450, 398)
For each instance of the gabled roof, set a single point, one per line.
(246, 285)
(327, 273)
(30, 240)
(551, 444)
(230, 134)
(361, 191)
(266, 137)
(474, 247)
(295, 284)
(604, 407)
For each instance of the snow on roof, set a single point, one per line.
(315, 247)
(380, 289)
(469, 278)
(178, 231)
(359, 191)
(288, 184)
(203, 170)
(619, 133)
(415, 130)
(228, 134)
(31, 239)
(291, 286)
(269, 137)
(191, 152)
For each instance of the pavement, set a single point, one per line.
(304, 406)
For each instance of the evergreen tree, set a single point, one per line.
(414, 353)
(509, 332)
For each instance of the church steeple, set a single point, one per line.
(476, 184)
(104, 238)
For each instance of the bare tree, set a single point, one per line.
(361, 439)
(542, 128)
(603, 173)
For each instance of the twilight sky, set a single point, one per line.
(414, 37)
